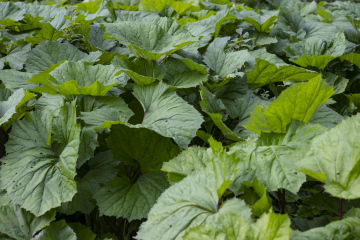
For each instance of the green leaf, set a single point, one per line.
(102, 168)
(316, 52)
(95, 38)
(262, 23)
(78, 78)
(57, 231)
(47, 33)
(20, 224)
(122, 198)
(212, 107)
(291, 23)
(326, 117)
(345, 229)
(188, 161)
(227, 226)
(354, 58)
(270, 226)
(167, 114)
(209, 26)
(186, 205)
(81, 231)
(48, 53)
(9, 105)
(38, 171)
(102, 112)
(259, 204)
(142, 146)
(225, 64)
(328, 159)
(265, 73)
(16, 57)
(11, 11)
(15, 80)
(241, 109)
(147, 40)
(298, 102)
(271, 157)
(133, 198)
(140, 70)
(183, 73)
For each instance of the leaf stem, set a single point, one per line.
(340, 208)
(281, 196)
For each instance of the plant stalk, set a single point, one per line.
(340, 208)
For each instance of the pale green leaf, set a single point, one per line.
(16, 57)
(339, 230)
(147, 40)
(48, 53)
(329, 155)
(186, 205)
(20, 224)
(270, 227)
(228, 226)
(38, 172)
(78, 78)
(168, 114)
(102, 112)
(15, 80)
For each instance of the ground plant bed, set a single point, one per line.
(180, 120)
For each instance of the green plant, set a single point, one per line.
(168, 119)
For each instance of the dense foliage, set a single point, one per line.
(193, 119)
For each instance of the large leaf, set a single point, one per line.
(15, 80)
(265, 73)
(38, 171)
(262, 23)
(291, 23)
(344, 229)
(102, 112)
(183, 73)
(167, 114)
(269, 160)
(209, 26)
(78, 78)
(140, 70)
(20, 224)
(57, 231)
(16, 57)
(328, 159)
(186, 205)
(298, 102)
(316, 52)
(133, 198)
(48, 53)
(226, 226)
(188, 161)
(270, 227)
(147, 40)
(225, 64)
(103, 168)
